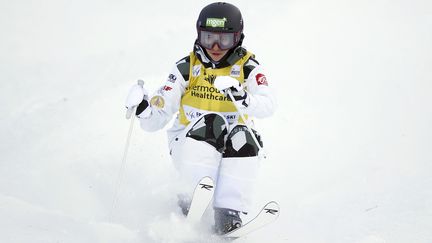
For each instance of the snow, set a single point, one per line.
(349, 149)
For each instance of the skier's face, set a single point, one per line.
(216, 54)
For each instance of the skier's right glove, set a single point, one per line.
(137, 97)
(227, 84)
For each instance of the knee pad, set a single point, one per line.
(210, 128)
(241, 144)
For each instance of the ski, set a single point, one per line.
(201, 198)
(268, 214)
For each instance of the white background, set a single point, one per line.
(350, 155)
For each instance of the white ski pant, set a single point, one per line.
(234, 177)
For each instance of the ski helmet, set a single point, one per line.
(220, 17)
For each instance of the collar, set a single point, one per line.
(229, 59)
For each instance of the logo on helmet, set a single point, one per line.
(214, 22)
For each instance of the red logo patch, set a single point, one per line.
(261, 79)
(167, 88)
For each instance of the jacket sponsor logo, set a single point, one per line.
(172, 78)
(167, 88)
(209, 93)
(261, 79)
(210, 78)
(193, 114)
(235, 71)
(196, 70)
(215, 22)
(231, 117)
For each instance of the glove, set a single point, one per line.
(137, 97)
(226, 84)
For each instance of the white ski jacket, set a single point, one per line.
(189, 91)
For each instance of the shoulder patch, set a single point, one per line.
(236, 55)
(249, 66)
(253, 60)
(184, 59)
(183, 66)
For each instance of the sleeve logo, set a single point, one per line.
(172, 78)
(261, 79)
(157, 101)
(167, 88)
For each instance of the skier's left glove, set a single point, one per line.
(226, 84)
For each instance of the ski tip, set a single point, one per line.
(272, 204)
(207, 181)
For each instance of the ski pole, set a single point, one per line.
(129, 113)
(261, 152)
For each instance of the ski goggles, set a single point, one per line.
(224, 40)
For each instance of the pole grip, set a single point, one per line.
(131, 110)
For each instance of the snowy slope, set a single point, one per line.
(349, 148)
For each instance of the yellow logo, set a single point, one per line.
(157, 101)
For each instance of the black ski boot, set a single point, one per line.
(184, 203)
(226, 220)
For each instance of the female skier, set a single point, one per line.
(209, 137)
